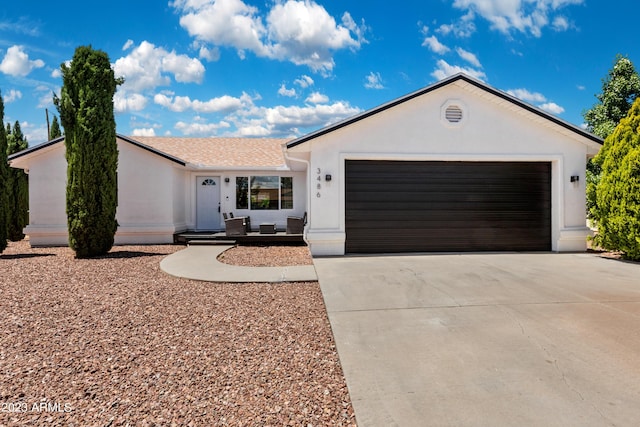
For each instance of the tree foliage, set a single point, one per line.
(18, 212)
(4, 181)
(617, 210)
(55, 131)
(620, 88)
(86, 112)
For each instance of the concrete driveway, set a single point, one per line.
(487, 339)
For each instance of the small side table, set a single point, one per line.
(267, 228)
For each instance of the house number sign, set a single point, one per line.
(319, 179)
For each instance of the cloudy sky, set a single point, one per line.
(282, 68)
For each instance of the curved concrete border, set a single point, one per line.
(201, 263)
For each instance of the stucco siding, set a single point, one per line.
(145, 211)
(47, 198)
(491, 130)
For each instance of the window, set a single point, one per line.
(264, 192)
(242, 192)
(208, 181)
(286, 192)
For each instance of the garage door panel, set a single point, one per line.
(394, 206)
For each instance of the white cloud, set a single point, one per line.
(552, 107)
(17, 63)
(147, 66)
(12, 95)
(536, 98)
(560, 23)
(469, 57)
(304, 81)
(34, 134)
(526, 95)
(434, 45)
(127, 44)
(210, 55)
(301, 32)
(56, 73)
(179, 104)
(525, 16)
(463, 28)
(288, 120)
(184, 69)
(373, 81)
(444, 70)
(223, 23)
(283, 91)
(123, 102)
(203, 129)
(317, 98)
(305, 34)
(144, 132)
(45, 96)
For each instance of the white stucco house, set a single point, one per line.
(456, 166)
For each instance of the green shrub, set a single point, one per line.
(18, 212)
(617, 208)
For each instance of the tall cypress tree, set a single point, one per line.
(86, 112)
(4, 181)
(55, 131)
(18, 217)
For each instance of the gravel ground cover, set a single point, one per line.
(267, 256)
(114, 341)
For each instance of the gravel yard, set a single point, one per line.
(114, 341)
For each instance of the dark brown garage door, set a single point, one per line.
(398, 206)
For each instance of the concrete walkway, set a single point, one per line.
(201, 263)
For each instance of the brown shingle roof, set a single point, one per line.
(220, 152)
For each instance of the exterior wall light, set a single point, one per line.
(226, 179)
(327, 177)
(575, 178)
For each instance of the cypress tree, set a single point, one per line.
(4, 181)
(617, 210)
(18, 216)
(86, 112)
(55, 131)
(620, 88)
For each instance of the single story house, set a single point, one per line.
(455, 166)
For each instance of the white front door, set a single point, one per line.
(208, 203)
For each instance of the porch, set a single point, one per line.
(253, 237)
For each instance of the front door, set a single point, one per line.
(208, 203)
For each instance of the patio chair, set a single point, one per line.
(235, 227)
(295, 225)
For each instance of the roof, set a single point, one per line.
(204, 152)
(219, 152)
(460, 77)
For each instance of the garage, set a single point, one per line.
(447, 206)
(457, 166)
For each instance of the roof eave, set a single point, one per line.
(152, 150)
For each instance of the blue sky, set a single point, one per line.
(281, 68)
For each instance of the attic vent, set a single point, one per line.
(453, 114)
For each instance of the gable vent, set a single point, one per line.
(453, 114)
